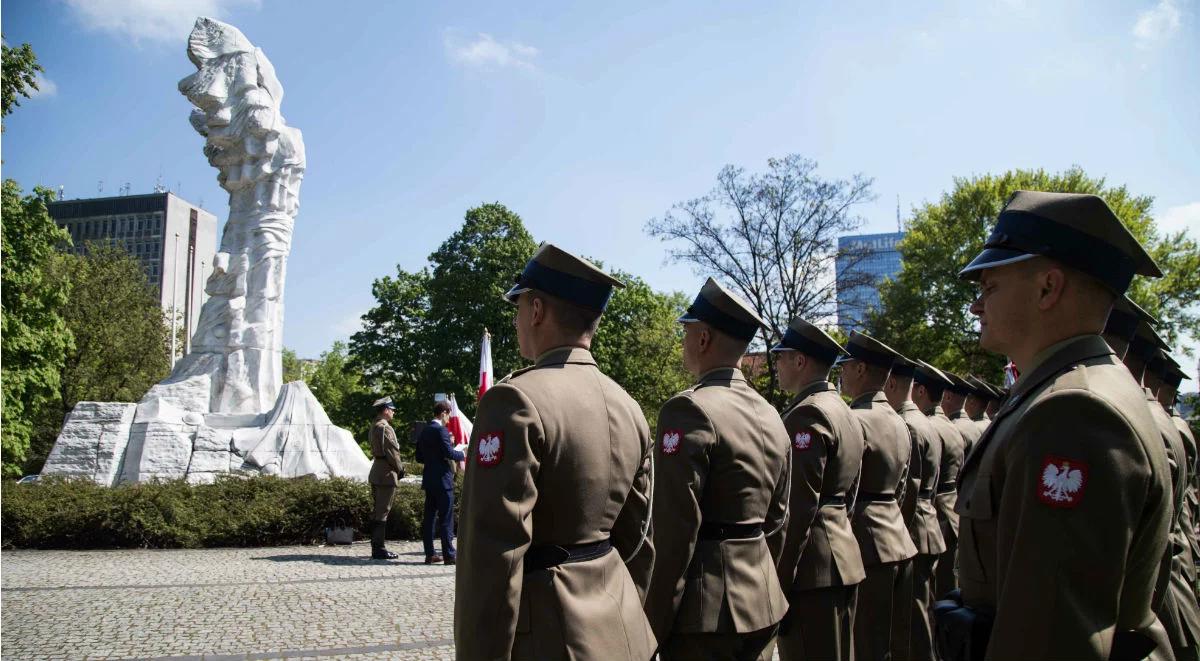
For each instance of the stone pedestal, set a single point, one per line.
(92, 442)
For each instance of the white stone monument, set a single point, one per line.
(223, 408)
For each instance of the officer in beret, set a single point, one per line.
(887, 549)
(923, 525)
(953, 454)
(1065, 502)
(552, 561)
(387, 468)
(820, 566)
(954, 406)
(976, 405)
(722, 487)
(1177, 610)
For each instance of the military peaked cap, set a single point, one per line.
(861, 346)
(1124, 317)
(725, 311)
(903, 367)
(958, 384)
(559, 273)
(1146, 343)
(806, 338)
(932, 378)
(979, 387)
(1078, 230)
(384, 403)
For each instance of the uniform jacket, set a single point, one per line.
(819, 549)
(1065, 507)
(1178, 612)
(435, 449)
(924, 528)
(559, 455)
(1193, 504)
(877, 522)
(721, 458)
(982, 422)
(952, 461)
(967, 428)
(386, 467)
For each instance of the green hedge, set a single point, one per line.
(233, 511)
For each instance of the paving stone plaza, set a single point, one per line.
(263, 603)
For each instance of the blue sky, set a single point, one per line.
(589, 119)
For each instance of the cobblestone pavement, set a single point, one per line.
(285, 602)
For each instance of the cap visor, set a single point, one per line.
(779, 348)
(991, 258)
(512, 294)
(686, 318)
(845, 358)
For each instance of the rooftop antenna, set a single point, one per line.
(125, 188)
(898, 228)
(100, 186)
(61, 193)
(158, 184)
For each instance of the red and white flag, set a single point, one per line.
(485, 363)
(460, 429)
(1010, 374)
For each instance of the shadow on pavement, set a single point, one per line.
(342, 560)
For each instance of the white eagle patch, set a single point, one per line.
(491, 448)
(670, 441)
(803, 440)
(1062, 482)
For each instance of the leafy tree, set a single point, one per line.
(293, 368)
(36, 338)
(20, 70)
(773, 238)
(639, 343)
(924, 312)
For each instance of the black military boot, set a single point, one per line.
(378, 534)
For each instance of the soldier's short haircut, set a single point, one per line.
(441, 406)
(572, 318)
(935, 393)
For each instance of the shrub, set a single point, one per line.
(233, 511)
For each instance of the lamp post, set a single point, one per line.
(174, 301)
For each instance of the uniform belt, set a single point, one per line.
(947, 487)
(875, 498)
(834, 501)
(545, 556)
(925, 494)
(719, 531)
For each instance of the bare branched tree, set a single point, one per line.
(772, 237)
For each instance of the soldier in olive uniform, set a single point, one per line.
(820, 565)
(976, 405)
(556, 496)
(954, 404)
(722, 471)
(887, 549)
(1065, 502)
(923, 526)
(946, 494)
(386, 470)
(1171, 376)
(996, 402)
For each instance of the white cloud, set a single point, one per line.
(167, 21)
(1157, 24)
(485, 52)
(1185, 217)
(45, 88)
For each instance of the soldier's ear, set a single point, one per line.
(1051, 283)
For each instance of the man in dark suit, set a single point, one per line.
(435, 449)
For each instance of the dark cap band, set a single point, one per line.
(932, 383)
(859, 352)
(1143, 348)
(580, 291)
(702, 310)
(793, 340)
(1033, 234)
(903, 368)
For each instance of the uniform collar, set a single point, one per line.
(722, 374)
(937, 412)
(1054, 359)
(957, 414)
(872, 396)
(809, 390)
(565, 356)
(909, 406)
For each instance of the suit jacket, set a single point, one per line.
(877, 522)
(952, 460)
(435, 449)
(559, 455)
(386, 466)
(924, 528)
(1065, 507)
(819, 549)
(967, 428)
(721, 458)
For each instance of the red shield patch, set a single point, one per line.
(671, 439)
(802, 440)
(1061, 481)
(491, 448)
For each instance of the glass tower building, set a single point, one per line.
(863, 262)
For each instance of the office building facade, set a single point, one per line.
(864, 261)
(173, 239)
